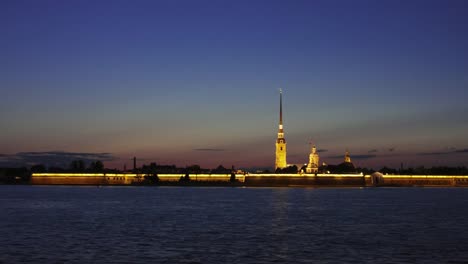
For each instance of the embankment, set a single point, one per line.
(304, 180)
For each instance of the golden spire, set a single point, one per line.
(281, 106)
(280, 127)
(280, 141)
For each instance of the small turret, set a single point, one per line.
(347, 158)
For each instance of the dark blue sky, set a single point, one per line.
(169, 81)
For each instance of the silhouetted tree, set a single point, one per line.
(365, 171)
(96, 166)
(56, 169)
(77, 166)
(185, 178)
(386, 170)
(150, 169)
(290, 169)
(151, 178)
(194, 169)
(39, 168)
(14, 175)
(220, 169)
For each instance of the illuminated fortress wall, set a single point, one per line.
(81, 178)
(202, 177)
(354, 180)
(350, 180)
(378, 179)
(121, 178)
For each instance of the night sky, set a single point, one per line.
(196, 82)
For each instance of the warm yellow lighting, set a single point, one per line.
(124, 178)
(426, 176)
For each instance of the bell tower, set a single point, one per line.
(313, 165)
(347, 157)
(280, 162)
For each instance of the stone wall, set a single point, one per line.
(121, 178)
(378, 179)
(331, 180)
(68, 179)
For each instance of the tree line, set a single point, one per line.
(75, 166)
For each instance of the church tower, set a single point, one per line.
(347, 158)
(312, 166)
(280, 162)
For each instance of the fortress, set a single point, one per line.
(313, 165)
(251, 180)
(310, 175)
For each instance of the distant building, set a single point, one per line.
(346, 167)
(347, 158)
(281, 165)
(313, 165)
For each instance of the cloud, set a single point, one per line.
(372, 151)
(335, 157)
(357, 157)
(442, 152)
(433, 153)
(364, 156)
(52, 158)
(208, 149)
(461, 151)
(103, 155)
(391, 149)
(322, 150)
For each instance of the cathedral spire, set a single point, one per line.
(281, 112)
(280, 127)
(281, 107)
(280, 162)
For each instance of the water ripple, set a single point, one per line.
(65, 224)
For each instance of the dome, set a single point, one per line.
(376, 174)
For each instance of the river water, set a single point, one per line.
(67, 224)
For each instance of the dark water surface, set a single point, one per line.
(65, 224)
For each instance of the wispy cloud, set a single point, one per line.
(432, 153)
(85, 155)
(462, 151)
(372, 151)
(335, 157)
(357, 157)
(52, 158)
(436, 153)
(208, 149)
(322, 150)
(363, 156)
